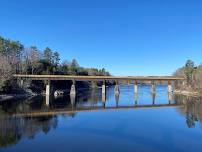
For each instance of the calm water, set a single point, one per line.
(88, 123)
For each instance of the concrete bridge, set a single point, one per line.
(153, 80)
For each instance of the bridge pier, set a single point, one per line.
(73, 89)
(136, 87)
(103, 88)
(117, 91)
(21, 83)
(48, 92)
(103, 92)
(103, 97)
(47, 100)
(170, 89)
(48, 89)
(153, 88)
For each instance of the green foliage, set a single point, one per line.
(193, 75)
(189, 70)
(32, 61)
(48, 54)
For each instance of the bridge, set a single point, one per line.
(130, 79)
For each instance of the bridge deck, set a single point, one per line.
(98, 78)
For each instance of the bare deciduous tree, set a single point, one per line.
(5, 71)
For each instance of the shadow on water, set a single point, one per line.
(14, 127)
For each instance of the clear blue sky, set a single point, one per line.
(127, 37)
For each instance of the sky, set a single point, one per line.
(126, 37)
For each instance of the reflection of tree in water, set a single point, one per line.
(12, 129)
(28, 105)
(192, 109)
(9, 134)
(190, 120)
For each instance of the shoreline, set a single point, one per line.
(187, 93)
(7, 97)
(16, 96)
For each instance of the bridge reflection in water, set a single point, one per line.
(75, 106)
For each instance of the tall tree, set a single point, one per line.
(5, 71)
(56, 58)
(33, 58)
(48, 55)
(74, 67)
(189, 70)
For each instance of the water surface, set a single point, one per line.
(89, 123)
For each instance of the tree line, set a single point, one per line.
(15, 58)
(193, 76)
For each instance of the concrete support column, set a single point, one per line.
(103, 97)
(73, 88)
(103, 88)
(136, 87)
(170, 89)
(103, 92)
(21, 83)
(117, 91)
(48, 93)
(47, 100)
(48, 89)
(153, 88)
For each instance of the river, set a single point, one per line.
(89, 123)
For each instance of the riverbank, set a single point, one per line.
(188, 93)
(6, 97)
(16, 96)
